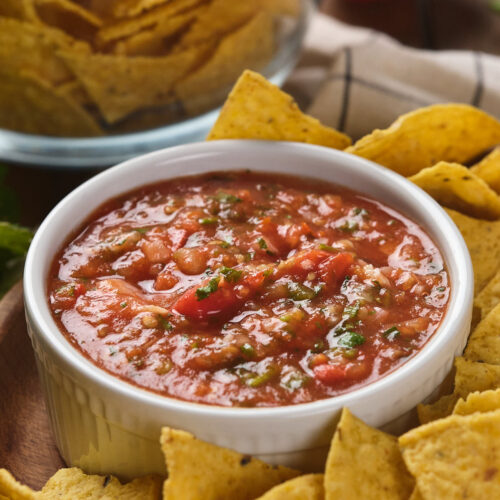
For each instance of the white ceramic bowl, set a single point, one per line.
(106, 425)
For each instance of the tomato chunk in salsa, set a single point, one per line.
(246, 289)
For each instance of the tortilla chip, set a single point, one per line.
(220, 18)
(455, 458)
(13, 490)
(489, 296)
(420, 139)
(252, 46)
(484, 343)
(483, 241)
(365, 463)
(456, 187)
(132, 8)
(416, 495)
(34, 47)
(29, 104)
(19, 9)
(474, 376)
(74, 91)
(308, 487)
(440, 409)
(478, 402)
(282, 7)
(128, 27)
(73, 483)
(202, 470)
(73, 8)
(489, 169)
(257, 109)
(154, 42)
(120, 85)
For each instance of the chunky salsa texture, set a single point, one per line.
(245, 289)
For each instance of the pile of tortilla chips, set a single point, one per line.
(81, 68)
(452, 152)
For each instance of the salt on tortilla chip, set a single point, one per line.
(484, 343)
(34, 48)
(75, 485)
(197, 469)
(121, 85)
(251, 47)
(127, 27)
(308, 487)
(455, 458)
(489, 296)
(151, 42)
(257, 109)
(489, 169)
(221, 17)
(31, 105)
(420, 139)
(365, 463)
(439, 409)
(478, 402)
(483, 241)
(132, 8)
(455, 186)
(13, 490)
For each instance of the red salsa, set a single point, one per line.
(245, 289)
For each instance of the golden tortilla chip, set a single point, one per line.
(483, 241)
(220, 18)
(132, 8)
(282, 7)
(420, 139)
(489, 296)
(29, 47)
(30, 105)
(128, 27)
(489, 169)
(120, 85)
(456, 187)
(252, 47)
(478, 402)
(73, 8)
(484, 342)
(474, 376)
(19, 9)
(257, 109)
(75, 485)
(416, 495)
(308, 487)
(440, 409)
(13, 490)
(74, 91)
(365, 463)
(456, 457)
(154, 42)
(202, 470)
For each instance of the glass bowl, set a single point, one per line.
(103, 151)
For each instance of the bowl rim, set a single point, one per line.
(460, 301)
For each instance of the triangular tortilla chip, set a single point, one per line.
(251, 47)
(75, 485)
(484, 343)
(257, 109)
(489, 169)
(478, 402)
(475, 376)
(34, 47)
(489, 296)
(455, 458)
(365, 463)
(308, 487)
(439, 409)
(455, 186)
(199, 470)
(420, 139)
(13, 490)
(483, 241)
(121, 85)
(31, 105)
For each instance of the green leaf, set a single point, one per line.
(351, 339)
(15, 238)
(231, 275)
(391, 333)
(204, 291)
(351, 311)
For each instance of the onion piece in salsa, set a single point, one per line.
(246, 289)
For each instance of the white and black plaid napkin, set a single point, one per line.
(357, 80)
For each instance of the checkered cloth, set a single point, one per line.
(356, 80)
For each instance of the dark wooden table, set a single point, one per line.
(433, 24)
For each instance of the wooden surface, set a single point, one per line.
(27, 447)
